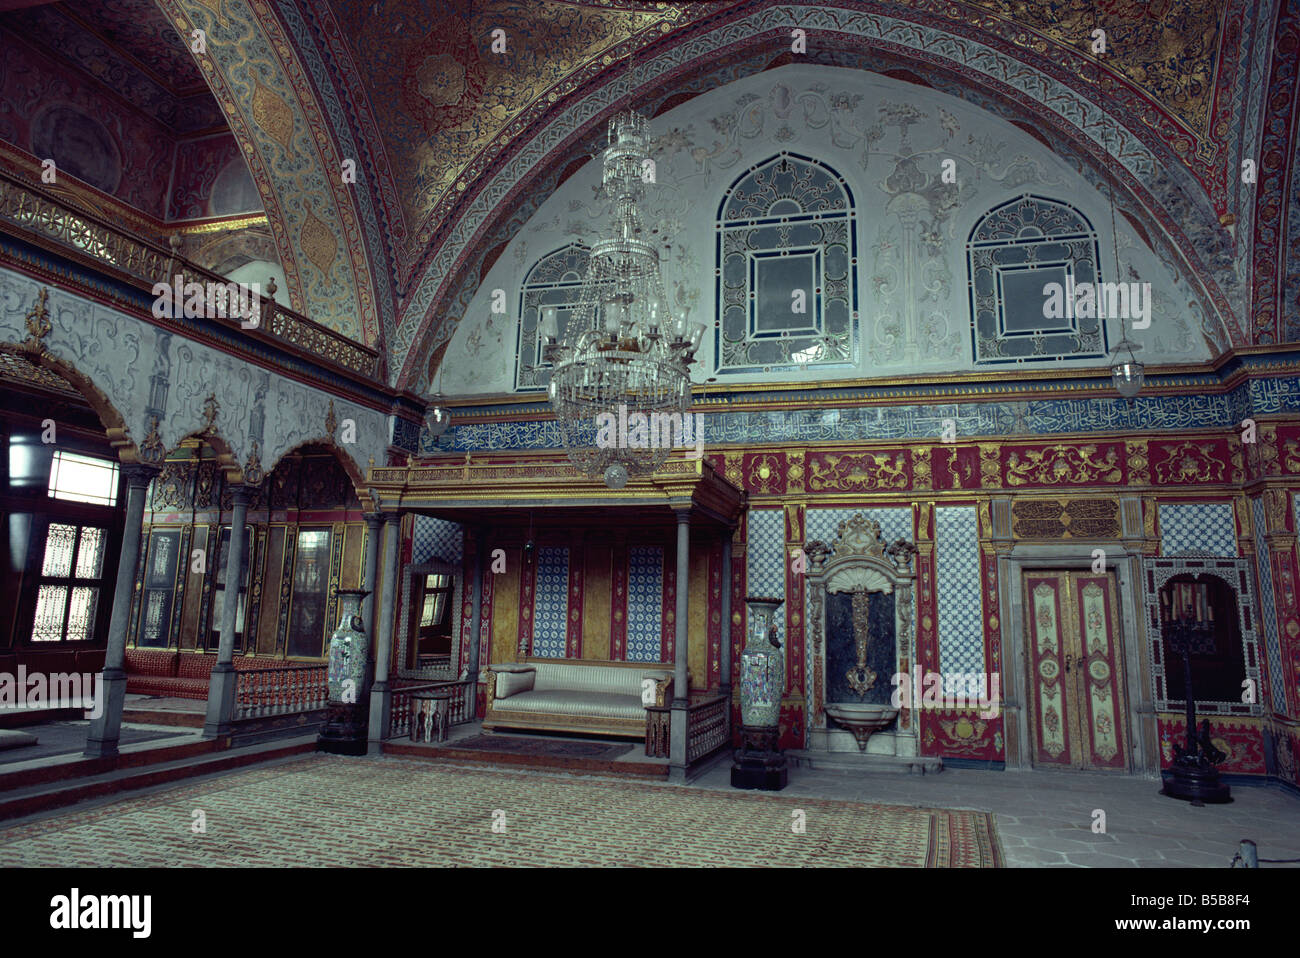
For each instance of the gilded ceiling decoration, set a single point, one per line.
(279, 118)
(1167, 48)
(413, 91)
(442, 96)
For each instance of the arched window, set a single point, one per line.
(554, 282)
(1014, 252)
(786, 269)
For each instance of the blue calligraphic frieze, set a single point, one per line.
(917, 421)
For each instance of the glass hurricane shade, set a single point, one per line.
(1127, 376)
(436, 420)
(550, 323)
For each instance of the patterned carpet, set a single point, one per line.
(330, 811)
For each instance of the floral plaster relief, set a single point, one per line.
(121, 355)
(890, 141)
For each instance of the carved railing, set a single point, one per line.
(280, 691)
(54, 219)
(708, 728)
(460, 708)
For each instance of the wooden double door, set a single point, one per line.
(1076, 670)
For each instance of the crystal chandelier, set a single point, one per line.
(621, 352)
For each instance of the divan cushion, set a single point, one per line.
(511, 683)
(567, 702)
(591, 678)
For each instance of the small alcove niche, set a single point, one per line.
(1225, 664)
(860, 584)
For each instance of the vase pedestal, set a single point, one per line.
(344, 732)
(759, 763)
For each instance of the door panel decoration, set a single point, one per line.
(1075, 670)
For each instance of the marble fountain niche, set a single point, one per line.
(862, 611)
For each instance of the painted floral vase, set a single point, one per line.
(348, 650)
(762, 666)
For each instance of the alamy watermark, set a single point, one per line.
(948, 690)
(75, 911)
(656, 430)
(1130, 301)
(53, 690)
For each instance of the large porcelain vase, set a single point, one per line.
(762, 666)
(348, 650)
(348, 680)
(759, 762)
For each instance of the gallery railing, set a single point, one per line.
(114, 248)
(280, 691)
(460, 709)
(708, 728)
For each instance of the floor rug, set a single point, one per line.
(539, 746)
(332, 811)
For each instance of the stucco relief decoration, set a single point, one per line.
(855, 473)
(152, 449)
(1291, 455)
(1189, 462)
(1062, 465)
(38, 324)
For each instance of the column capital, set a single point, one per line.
(391, 518)
(373, 520)
(683, 515)
(241, 495)
(139, 474)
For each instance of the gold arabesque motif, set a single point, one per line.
(1062, 463)
(858, 472)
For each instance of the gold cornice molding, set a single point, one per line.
(965, 386)
(539, 482)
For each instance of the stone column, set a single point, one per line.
(106, 727)
(381, 695)
(221, 687)
(725, 667)
(373, 523)
(476, 612)
(677, 731)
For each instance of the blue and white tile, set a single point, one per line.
(957, 589)
(823, 524)
(765, 553)
(1197, 527)
(645, 597)
(437, 539)
(1268, 610)
(551, 603)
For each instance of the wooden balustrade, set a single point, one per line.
(460, 711)
(144, 261)
(280, 691)
(708, 727)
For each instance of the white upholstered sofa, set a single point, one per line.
(573, 695)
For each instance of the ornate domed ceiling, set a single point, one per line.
(455, 144)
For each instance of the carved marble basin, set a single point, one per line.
(861, 720)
